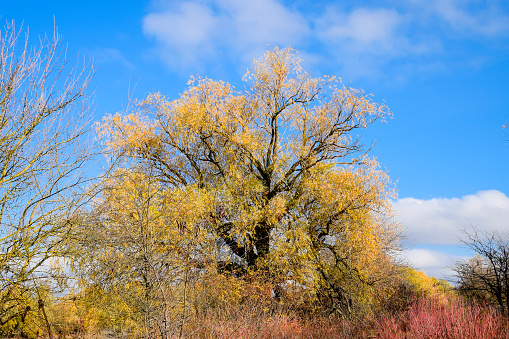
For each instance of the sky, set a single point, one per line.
(442, 67)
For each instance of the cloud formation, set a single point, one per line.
(364, 40)
(195, 31)
(440, 221)
(366, 29)
(470, 16)
(434, 263)
(360, 40)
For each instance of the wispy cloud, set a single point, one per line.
(183, 33)
(471, 16)
(195, 32)
(262, 21)
(364, 41)
(374, 30)
(441, 221)
(435, 263)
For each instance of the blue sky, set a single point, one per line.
(442, 66)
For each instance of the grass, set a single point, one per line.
(425, 317)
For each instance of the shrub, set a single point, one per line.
(452, 317)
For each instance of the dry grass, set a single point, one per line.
(280, 326)
(424, 317)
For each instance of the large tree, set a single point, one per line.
(294, 194)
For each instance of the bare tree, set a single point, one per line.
(485, 277)
(43, 108)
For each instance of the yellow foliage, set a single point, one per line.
(276, 177)
(421, 283)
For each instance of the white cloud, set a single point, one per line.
(364, 40)
(366, 28)
(435, 263)
(264, 21)
(485, 20)
(438, 224)
(423, 258)
(466, 16)
(440, 220)
(189, 26)
(194, 31)
(391, 42)
(183, 32)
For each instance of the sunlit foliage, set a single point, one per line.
(139, 250)
(224, 213)
(283, 171)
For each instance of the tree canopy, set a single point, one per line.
(289, 188)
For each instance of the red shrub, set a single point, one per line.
(453, 318)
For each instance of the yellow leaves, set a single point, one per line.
(135, 203)
(274, 66)
(218, 291)
(275, 210)
(293, 255)
(356, 189)
(129, 133)
(419, 282)
(348, 218)
(206, 105)
(188, 204)
(273, 176)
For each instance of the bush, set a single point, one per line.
(431, 317)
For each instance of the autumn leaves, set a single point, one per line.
(212, 195)
(284, 165)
